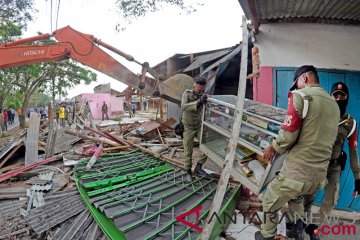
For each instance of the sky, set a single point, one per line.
(152, 38)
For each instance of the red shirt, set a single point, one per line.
(6, 117)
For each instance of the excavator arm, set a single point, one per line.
(84, 48)
(80, 47)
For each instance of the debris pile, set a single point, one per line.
(38, 193)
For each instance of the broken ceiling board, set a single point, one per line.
(147, 127)
(59, 182)
(64, 141)
(13, 151)
(6, 148)
(167, 125)
(134, 200)
(32, 140)
(53, 213)
(173, 141)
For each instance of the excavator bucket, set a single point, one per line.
(172, 88)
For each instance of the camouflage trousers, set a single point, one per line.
(188, 143)
(331, 193)
(284, 190)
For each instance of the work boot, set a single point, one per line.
(259, 236)
(295, 230)
(188, 177)
(198, 170)
(312, 231)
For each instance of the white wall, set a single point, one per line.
(322, 45)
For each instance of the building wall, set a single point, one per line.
(103, 88)
(95, 102)
(325, 46)
(117, 105)
(322, 45)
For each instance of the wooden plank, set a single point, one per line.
(32, 139)
(115, 139)
(23, 169)
(167, 124)
(161, 138)
(96, 140)
(230, 156)
(116, 148)
(147, 127)
(50, 144)
(11, 167)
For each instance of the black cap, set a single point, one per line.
(339, 87)
(201, 81)
(301, 70)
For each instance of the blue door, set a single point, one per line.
(283, 78)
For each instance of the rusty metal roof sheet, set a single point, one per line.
(200, 60)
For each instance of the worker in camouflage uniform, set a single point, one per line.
(192, 103)
(307, 135)
(104, 111)
(347, 130)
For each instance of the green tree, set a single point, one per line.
(132, 9)
(39, 98)
(14, 99)
(14, 16)
(38, 76)
(6, 86)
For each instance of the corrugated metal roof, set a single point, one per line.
(224, 59)
(345, 11)
(330, 9)
(206, 58)
(136, 194)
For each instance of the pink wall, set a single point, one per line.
(95, 101)
(263, 88)
(117, 105)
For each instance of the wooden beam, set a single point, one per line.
(162, 140)
(255, 20)
(116, 148)
(96, 140)
(230, 156)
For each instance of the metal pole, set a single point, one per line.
(229, 159)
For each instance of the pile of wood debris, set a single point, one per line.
(38, 195)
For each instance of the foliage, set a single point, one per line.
(14, 100)
(132, 9)
(67, 74)
(39, 98)
(14, 16)
(38, 76)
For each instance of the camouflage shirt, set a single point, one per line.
(348, 130)
(191, 113)
(308, 134)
